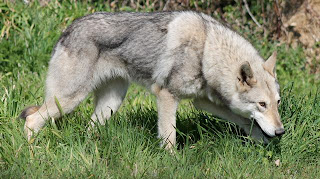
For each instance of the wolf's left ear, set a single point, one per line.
(246, 78)
(270, 64)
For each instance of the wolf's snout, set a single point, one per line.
(280, 132)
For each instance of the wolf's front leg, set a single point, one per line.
(225, 113)
(167, 107)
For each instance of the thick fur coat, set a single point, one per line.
(174, 54)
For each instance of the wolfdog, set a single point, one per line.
(174, 54)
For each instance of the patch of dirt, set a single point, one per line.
(301, 19)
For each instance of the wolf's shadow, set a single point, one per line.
(191, 127)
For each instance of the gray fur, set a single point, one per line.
(122, 35)
(175, 54)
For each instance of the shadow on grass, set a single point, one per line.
(191, 127)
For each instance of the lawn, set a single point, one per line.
(127, 146)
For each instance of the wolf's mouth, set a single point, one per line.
(265, 134)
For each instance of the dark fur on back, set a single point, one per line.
(136, 39)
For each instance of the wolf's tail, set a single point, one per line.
(28, 111)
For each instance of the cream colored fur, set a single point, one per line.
(200, 59)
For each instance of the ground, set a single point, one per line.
(127, 147)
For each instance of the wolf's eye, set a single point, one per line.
(262, 104)
(278, 102)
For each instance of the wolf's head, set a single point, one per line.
(258, 95)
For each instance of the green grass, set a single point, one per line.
(127, 147)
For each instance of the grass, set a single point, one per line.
(127, 147)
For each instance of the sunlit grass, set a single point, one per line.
(127, 146)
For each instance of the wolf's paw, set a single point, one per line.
(32, 126)
(168, 147)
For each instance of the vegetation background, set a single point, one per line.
(127, 146)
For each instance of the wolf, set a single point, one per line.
(176, 55)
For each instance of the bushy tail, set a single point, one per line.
(28, 111)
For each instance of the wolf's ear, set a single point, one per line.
(246, 79)
(270, 64)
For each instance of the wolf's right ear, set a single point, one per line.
(246, 78)
(270, 64)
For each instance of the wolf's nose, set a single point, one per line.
(280, 132)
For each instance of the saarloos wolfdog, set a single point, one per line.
(174, 54)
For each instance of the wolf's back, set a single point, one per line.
(136, 39)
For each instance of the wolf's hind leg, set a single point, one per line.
(108, 98)
(68, 82)
(52, 107)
